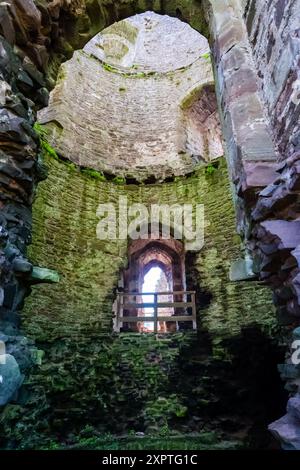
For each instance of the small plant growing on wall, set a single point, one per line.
(96, 175)
(210, 169)
(119, 180)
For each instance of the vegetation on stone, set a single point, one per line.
(97, 175)
(210, 169)
(206, 55)
(119, 180)
(69, 382)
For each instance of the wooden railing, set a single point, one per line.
(133, 301)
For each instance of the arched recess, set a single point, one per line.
(51, 29)
(200, 133)
(70, 25)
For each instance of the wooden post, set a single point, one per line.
(155, 313)
(194, 310)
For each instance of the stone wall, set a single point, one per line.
(250, 151)
(119, 110)
(21, 92)
(49, 32)
(64, 239)
(273, 29)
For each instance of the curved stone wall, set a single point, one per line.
(116, 107)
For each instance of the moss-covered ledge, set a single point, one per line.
(64, 239)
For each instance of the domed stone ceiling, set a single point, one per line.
(149, 42)
(129, 104)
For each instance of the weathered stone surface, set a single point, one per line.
(11, 378)
(53, 30)
(256, 175)
(241, 270)
(120, 119)
(43, 275)
(296, 333)
(287, 428)
(90, 270)
(19, 170)
(286, 235)
(21, 265)
(59, 27)
(282, 197)
(273, 29)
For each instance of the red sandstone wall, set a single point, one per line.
(274, 32)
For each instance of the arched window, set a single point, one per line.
(156, 280)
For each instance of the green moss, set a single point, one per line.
(191, 97)
(62, 74)
(90, 267)
(206, 56)
(161, 410)
(117, 383)
(122, 376)
(165, 441)
(124, 386)
(71, 166)
(202, 441)
(122, 89)
(94, 174)
(135, 74)
(124, 29)
(109, 68)
(40, 129)
(47, 148)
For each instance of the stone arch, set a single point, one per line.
(168, 255)
(130, 123)
(201, 134)
(36, 31)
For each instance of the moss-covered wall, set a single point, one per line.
(64, 239)
(90, 381)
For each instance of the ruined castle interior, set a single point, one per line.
(136, 342)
